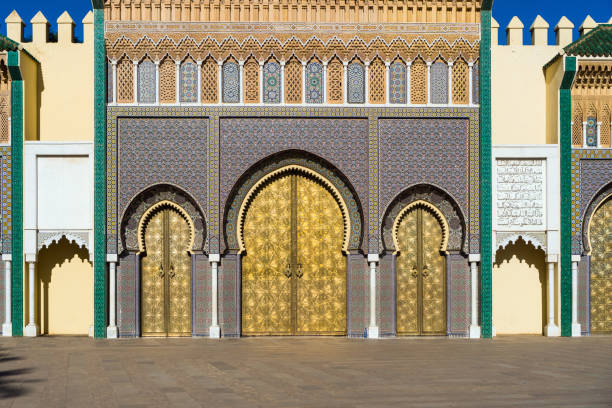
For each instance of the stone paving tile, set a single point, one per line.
(306, 372)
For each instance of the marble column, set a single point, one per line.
(31, 330)
(576, 329)
(373, 329)
(552, 330)
(474, 260)
(111, 330)
(7, 326)
(214, 331)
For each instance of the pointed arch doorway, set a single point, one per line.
(293, 237)
(420, 235)
(166, 272)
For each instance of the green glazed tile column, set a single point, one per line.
(565, 126)
(17, 191)
(99, 173)
(486, 261)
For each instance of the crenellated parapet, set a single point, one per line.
(64, 77)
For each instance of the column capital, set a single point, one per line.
(474, 258)
(214, 258)
(30, 257)
(576, 258)
(373, 258)
(112, 258)
(552, 258)
(7, 257)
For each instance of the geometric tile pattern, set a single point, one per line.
(356, 83)
(459, 295)
(439, 82)
(146, 82)
(271, 82)
(5, 195)
(476, 83)
(128, 295)
(314, 82)
(202, 317)
(591, 132)
(188, 85)
(397, 82)
(431, 151)
(591, 172)
(231, 82)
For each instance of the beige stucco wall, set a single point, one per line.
(554, 76)
(519, 290)
(518, 93)
(30, 69)
(65, 303)
(66, 88)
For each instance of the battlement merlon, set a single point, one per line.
(539, 31)
(40, 29)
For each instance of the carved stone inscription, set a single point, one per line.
(520, 194)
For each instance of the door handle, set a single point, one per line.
(161, 272)
(172, 273)
(299, 272)
(288, 271)
(415, 271)
(425, 271)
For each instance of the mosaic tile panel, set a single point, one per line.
(202, 281)
(439, 82)
(591, 172)
(358, 296)
(127, 295)
(214, 215)
(314, 82)
(425, 151)
(229, 296)
(5, 195)
(591, 132)
(374, 246)
(247, 141)
(356, 83)
(188, 82)
(271, 82)
(458, 295)
(146, 82)
(385, 283)
(231, 82)
(397, 82)
(148, 156)
(476, 83)
(584, 294)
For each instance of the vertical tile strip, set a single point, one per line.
(565, 107)
(17, 191)
(99, 175)
(213, 186)
(485, 171)
(373, 236)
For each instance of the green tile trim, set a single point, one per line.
(486, 258)
(99, 176)
(17, 192)
(565, 126)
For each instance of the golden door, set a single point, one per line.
(601, 269)
(421, 275)
(166, 276)
(294, 272)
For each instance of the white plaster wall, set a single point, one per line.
(64, 186)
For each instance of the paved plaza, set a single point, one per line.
(305, 372)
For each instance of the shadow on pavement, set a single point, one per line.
(12, 382)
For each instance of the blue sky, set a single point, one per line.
(503, 11)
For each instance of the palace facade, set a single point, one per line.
(352, 168)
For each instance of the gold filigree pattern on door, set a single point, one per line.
(433, 274)
(179, 276)
(407, 276)
(420, 274)
(152, 279)
(601, 269)
(266, 288)
(321, 266)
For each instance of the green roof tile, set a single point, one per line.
(596, 43)
(6, 44)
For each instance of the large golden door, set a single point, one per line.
(166, 276)
(421, 275)
(601, 269)
(293, 272)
